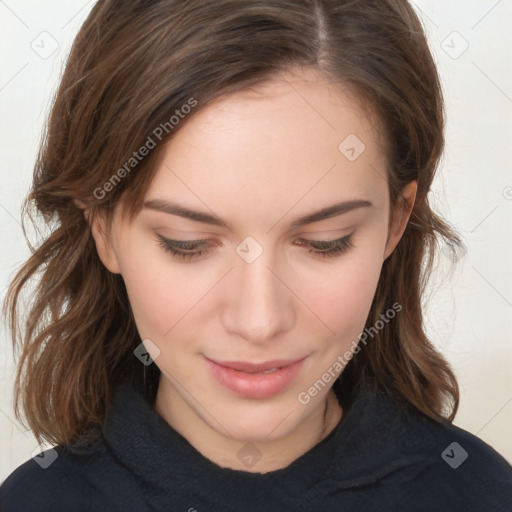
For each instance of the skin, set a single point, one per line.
(259, 160)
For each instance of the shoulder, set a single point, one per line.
(51, 481)
(480, 461)
(420, 464)
(459, 469)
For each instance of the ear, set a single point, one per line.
(399, 220)
(102, 239)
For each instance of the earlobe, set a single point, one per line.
(401, 217)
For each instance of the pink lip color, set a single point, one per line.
(255, 385)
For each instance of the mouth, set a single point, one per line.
(255, 380)
(266, 367)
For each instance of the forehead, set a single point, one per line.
(307, 105)
(295, 138)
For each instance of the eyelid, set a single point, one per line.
(326, 243)
(202, 242)
(328, 232)
(184, 243)
(190, 249)
(187, 245)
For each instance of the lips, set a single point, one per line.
(255, 380)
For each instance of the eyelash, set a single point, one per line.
(184, 249)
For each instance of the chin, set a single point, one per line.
(259, 423)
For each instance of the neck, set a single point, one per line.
(222, 450)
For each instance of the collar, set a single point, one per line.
(375, 436)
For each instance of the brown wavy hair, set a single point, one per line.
(131, 66)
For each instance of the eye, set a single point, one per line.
(329, 248)
(186, 250)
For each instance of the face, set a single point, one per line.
(258, 275)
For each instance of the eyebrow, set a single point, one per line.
(328, 212)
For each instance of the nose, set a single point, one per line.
(259, 305)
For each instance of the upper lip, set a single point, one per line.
(243, 366)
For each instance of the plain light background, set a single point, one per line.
(468, 316)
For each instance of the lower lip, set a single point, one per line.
(255, 385)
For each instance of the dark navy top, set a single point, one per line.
(382, 456)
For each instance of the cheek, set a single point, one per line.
(342, 296)
(159, 297)
(163, 295)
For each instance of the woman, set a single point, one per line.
(229, 312)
